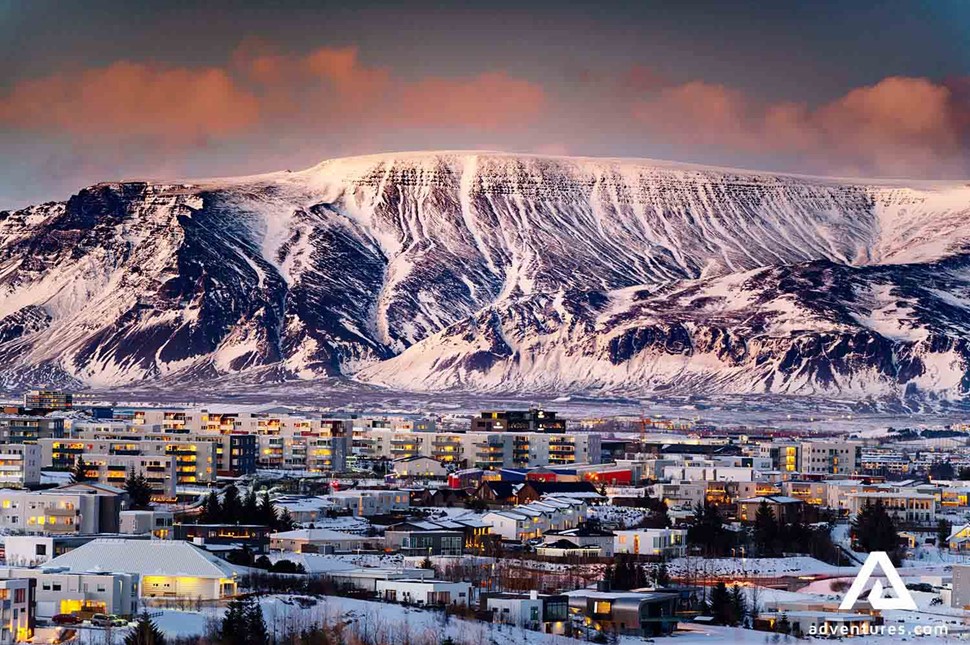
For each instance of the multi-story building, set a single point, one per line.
(19, 465)
(489, 451)
(670, 543)
(158, 470)
(62, 592)
(29, 429)
(533, 420)
(195, 461)
(77, 508)
(830, 457)
(906, 507)
(783, 455)
(366, 503)
(318, 445)
(17, 617)
(48, 400)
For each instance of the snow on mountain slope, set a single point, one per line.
(495, 271)
(794, 329)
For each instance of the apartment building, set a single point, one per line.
(782, 455)
(522, 421)
(29, 429)
(73, 509)
(48, 400)
(17, 617)
(829, 457)
(907, 507)
(488, 451)
(317, 445)
(113, 470)
(195, 461)
(19, 465)
(813, 457)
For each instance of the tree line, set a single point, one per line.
(248, 509)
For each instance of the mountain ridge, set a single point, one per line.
(357, 267)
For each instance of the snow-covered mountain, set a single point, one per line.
(497, 272)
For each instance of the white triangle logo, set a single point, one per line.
(903, 599)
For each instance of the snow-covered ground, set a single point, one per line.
(757, 567)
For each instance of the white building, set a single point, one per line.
(529, 521)
(829, 457)
(159, 470)
(166, 568)
(419, 466)
(35, 550)
(366, 503)
(663, 542)
(905, 506)
(425, 592)
(514, 609)
(319, 540)
(16, 611)
(64, 592)
(367, 578)
(19, 465)
(76, 508)
(157, 523)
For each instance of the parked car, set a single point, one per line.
(118, 621)
(101, 620)
(65, 619)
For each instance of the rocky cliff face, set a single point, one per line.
(497, 272)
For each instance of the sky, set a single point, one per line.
(106, 91)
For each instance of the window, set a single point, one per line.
(40, 549)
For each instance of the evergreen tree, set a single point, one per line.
(146, 632)
(661, 575)
(285, 522)
(943, 530)
(765, 530)
(232, 509)
(139, 490)
(251, 506)
(79, 471)
(874, 529)
(267, 512)
(942, 470)
(627, 574)
(783, 626)
(707, 530)
(656, 513)
(211, 510)
(243, 623)
(722, 610)
(258, 634)
(739, 608)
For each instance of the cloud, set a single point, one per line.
(260, 90)
(132, 99)
(898, 126)
(488, 101)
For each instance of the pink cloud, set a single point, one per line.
(132, 99)
(898, 126)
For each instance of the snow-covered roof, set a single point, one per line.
(322, 535)
(144, 557)
(771, 499)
